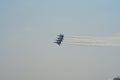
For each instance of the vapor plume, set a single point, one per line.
(95, 41)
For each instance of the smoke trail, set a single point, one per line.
(95, 41)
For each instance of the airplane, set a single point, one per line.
(59, 39)
(60, 35)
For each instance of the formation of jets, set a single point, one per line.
(59, 39)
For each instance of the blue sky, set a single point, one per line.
(28, 28)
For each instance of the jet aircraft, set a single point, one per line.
(59, 39)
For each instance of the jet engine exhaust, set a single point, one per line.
(95, 41)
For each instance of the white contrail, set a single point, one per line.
(95, 41)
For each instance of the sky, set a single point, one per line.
(28, 29)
